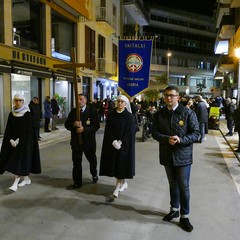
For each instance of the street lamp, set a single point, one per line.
(168, 56)
(237, 53)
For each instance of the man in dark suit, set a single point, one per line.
(87, 128)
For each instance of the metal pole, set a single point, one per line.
(168, 68)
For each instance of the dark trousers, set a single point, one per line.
(230, 125)
(178, 178)
(46, 124)
(77, 164)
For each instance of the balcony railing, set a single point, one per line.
(103, 15)
(105, 66)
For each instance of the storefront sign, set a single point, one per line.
(27, 57)
(24, 72)
(134, 65)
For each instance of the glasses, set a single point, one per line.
(18, 100)
(170, 95)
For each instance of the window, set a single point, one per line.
(63, 35)
(89, 45)
(27, 27)
(101, 53)
(114, 11)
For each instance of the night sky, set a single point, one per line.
(205, 7)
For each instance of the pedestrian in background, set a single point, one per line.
(201, 109)
(236, 117)
(176, 128)
(118, 149)
(87, 127)
(55, 110)
(36, 114)
(230, 107)
(20, 151)
(47, 113)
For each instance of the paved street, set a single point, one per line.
(46, 211)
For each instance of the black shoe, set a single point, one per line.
(171, 215)
(95, 179)
(186, 225)
(47, 131)
(73, 187)
(237, 150)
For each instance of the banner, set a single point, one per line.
(134, 65)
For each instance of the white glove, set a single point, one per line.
(119, 142)
(116, 144)
(14, 143)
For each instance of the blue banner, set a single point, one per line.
(134, 65)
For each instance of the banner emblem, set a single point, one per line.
(134, 62)
(134, 65)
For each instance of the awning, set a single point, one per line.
(5, 67)
(30, 70)
(63, 76)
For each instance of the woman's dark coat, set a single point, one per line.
(181, 122)
(119, 163)
(24, 158)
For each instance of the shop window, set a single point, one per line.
(62, 96)
(21, 84)
(62, 36)
(27, 28)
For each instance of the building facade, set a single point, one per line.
(35, 35)
(228, 40)
(183, 44)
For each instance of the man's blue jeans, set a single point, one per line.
(202, 130)
(178, 178)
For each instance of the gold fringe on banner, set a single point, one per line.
(136, 38)
(128, 96)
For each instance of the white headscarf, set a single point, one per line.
(19, 112)
(125, 99)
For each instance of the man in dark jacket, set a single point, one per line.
(230, 107)
(36, 113)
(87, 127)
(201, 110)
(55, 111)
(176, 128)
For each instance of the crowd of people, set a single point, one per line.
(175, 122)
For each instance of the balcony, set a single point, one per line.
(222, 10)
(137, 11)
(235, 4)
(105, 21)
(227, 27)
(106, 67)
(224, 64)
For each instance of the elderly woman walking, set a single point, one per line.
(118, 149)
(20, 151)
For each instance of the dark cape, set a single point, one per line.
(24, 158)
(118, 163)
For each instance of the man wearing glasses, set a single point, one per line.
(176, 128)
